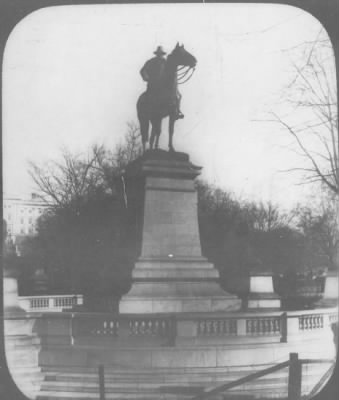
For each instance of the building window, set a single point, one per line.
(22, 231)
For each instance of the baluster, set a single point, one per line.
(301, 323)
(222, 327)
(169, 326)
(234, 326)
(248, 326)
(216, 327)
(254, 325)
(142, 327)
(132, 327)
(272, 327)
(207, 331)
(277, 325)
(307, 322)
(266, 326)
(225, 327)
(210, 327)
(204, 327)
(260, 326)
(136, 327)
(201, 328)
(155, 328)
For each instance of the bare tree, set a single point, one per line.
(266, 217)
(61, 182)
(310, 116)
(75, 176)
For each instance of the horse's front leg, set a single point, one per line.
(155, 135)
(171, 132)
(144, 126)
(151, 140)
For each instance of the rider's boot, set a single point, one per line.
(179, 115)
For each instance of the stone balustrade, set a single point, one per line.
(264, 326)
(312, 321)
(50, 303)
(150, 326)
(277, 325)
(217, 327)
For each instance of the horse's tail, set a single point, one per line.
(143, 119)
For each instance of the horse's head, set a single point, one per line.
(183, 57)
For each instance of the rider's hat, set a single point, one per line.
(159, 51)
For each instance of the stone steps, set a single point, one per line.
(65, 395)
(160, 376)
(83, 385)
(164, 384)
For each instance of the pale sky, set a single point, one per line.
(71, 79)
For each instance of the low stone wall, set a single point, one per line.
(168, 329)
(219, 346)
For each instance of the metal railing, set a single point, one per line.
(294, 378)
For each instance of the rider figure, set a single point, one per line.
(152, 72)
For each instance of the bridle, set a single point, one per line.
(182, 73)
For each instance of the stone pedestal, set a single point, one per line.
(261, 292)
(331, 286)
(10, 293)
(170, 275)
(331, 289)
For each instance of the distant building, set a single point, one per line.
(21, 216)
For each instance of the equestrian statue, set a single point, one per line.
(162, 98)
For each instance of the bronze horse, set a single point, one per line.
(153, 107)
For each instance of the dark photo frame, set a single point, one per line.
(13, 11)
